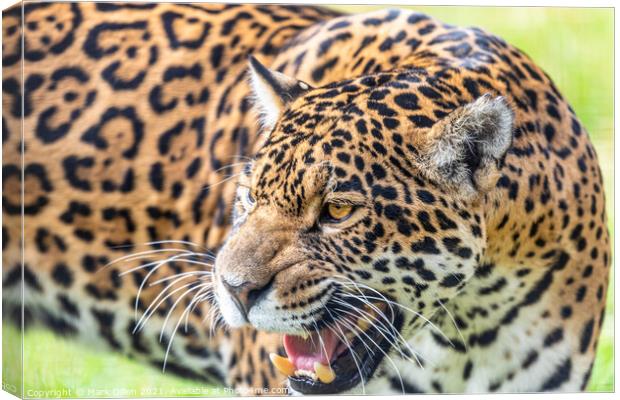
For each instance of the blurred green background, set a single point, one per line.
(574, 46)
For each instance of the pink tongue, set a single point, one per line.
(304, 352)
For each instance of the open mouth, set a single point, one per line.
(342, 354)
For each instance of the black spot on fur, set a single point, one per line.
(62, 275)
(560, 376)
(586, 336)
(68, 305)
(531, 358)
(105, 320)
(554, 337)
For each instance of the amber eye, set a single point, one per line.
(334, 213)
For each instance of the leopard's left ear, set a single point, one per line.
(273, 91)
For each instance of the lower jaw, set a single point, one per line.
(345, 381)
(350, 371)
(308, 386)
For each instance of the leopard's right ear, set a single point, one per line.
(273, 91)
(465, 149)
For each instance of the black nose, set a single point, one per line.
(247, 294)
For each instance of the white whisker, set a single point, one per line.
(174, 306)
(175, 328)
(152, 306)
(395, 336)
(343, 338)
(455, 324)
(355, 329)
(222, 181)
(137, 256)
(415, 313)
(194, 273)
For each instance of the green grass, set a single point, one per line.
(574, 46)
(57, 367)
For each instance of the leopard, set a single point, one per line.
(279, 197)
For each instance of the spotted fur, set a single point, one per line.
(479, 195)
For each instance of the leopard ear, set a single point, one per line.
(273, 91)
(466, 149)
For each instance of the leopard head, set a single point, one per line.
(359, 217)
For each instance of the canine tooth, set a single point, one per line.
(282, 364)
(324, 372)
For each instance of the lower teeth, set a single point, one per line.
(309, 374)
(323, 373)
